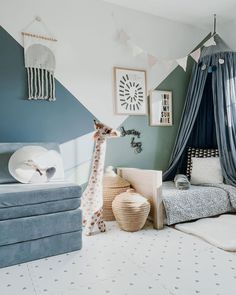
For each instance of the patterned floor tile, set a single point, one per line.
(16, 280)
(166, 262)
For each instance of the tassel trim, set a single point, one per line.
(41, 84)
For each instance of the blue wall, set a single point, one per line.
(23, 120)
(157, 141)
(66, 118)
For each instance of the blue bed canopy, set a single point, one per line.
(209, 115)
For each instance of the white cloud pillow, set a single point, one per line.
(36, 164)
(206, 170)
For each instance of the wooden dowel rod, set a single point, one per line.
(39, 36)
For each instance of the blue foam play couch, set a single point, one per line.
(36, 220)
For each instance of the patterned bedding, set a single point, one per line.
(197, 202)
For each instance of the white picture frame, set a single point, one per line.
(130, 91)
(160, 108)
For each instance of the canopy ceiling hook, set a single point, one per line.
(38, 18)
(214, 25)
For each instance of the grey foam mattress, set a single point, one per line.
(35, 227)
(22, 200)
(197, 202)
(39, 248)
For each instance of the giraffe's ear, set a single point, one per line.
(95, 124)
(96, 135)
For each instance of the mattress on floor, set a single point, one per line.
(40, 248)
(35, 227)
(22, 200)
(197, 202)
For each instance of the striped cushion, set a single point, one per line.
(199, 153)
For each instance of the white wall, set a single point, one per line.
(227, 32)
(88, 49)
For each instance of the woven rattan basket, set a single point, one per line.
(131, 210)
(113, 185)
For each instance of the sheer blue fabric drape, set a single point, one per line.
(191, 107)
(224, 101)
(224, 98)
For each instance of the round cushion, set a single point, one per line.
(36, 164)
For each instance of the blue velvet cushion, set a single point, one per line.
(20, 200)
(39, 209)
(36, 220)
(39, 248)
(7, 149)
(36, 227)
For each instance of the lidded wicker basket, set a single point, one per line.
(131, 210)
(113, 185)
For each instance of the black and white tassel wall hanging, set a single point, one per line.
(40, 61)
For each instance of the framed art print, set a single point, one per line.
(160, 108)
(130, 91)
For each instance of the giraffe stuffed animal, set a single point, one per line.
(92, 198)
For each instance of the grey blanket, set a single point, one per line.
(197, 202)
(229, 189)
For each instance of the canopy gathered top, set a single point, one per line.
(209, 115)
(220, 47)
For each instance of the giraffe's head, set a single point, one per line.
(103, 131)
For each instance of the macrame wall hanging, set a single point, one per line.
(40, 61)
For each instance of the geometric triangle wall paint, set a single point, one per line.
(27, 121)
(68, 122)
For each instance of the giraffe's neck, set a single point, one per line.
(98, 161)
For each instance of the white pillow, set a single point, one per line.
(206, 170)
(23, 163)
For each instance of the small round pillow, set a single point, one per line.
(36, 164)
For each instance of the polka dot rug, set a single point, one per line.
(122, 263)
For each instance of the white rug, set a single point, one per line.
(218, 231)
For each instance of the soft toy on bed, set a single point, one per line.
(181, 182)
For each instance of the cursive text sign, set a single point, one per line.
(136, 145)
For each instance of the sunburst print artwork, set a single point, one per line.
(130, 91)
